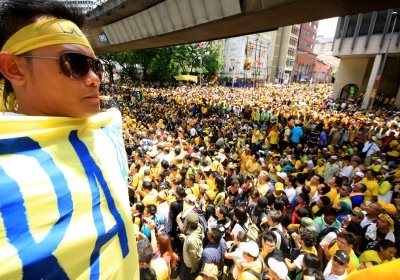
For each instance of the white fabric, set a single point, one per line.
(290, 193)
(299, 261)
(328, 238)
(371, 233)
(387, 197)
(279, 268)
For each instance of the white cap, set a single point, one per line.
(282, 175)
(278, 267)
(251, 248)
(379, 160)
(191, 198)
(153, 154)
(359, 174)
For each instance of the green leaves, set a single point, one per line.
(162, 64)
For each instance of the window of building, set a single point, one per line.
(305, 43)
(380, 22)
(340, 28)
(365, 23)
(352, 26)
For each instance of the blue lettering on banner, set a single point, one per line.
(118, 145)
(37, 259)
(94, 172)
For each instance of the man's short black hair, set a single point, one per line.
(152, 209)
(147, 185)
(223, 209)
(330, 211)
(216, 234)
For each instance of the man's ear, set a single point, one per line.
(13, 68)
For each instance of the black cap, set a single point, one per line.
(262, 202)
(342, 256)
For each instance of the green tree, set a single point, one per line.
(109, 65)
(161, 64)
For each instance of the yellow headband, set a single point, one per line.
(45, 33)
(389, 219)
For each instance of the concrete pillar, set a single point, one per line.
(397, 101)
(350, 71)
(371, 81)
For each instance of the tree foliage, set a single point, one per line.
(162, 64)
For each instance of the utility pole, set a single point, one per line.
(201, 68)
(378, 77)
(255, 65)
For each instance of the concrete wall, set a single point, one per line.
(359, 46)
(351, 71)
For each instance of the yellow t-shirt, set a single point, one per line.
(332, 194)
(319, 169)
(273, 137)
(370, 255)
(252, 168)
(372, 188)
(161, 268)
(354, 262)
(150, 198)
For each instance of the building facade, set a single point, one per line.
(369, 50)
(323, 49)
(305, 57)
(246, 60)
(282, 53)
(83, 5)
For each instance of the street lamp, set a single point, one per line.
(379, 75)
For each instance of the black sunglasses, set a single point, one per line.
(75, 65)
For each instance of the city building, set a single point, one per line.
(305, 56)
(83, 5)
(246, 60)
(369, 51)
(282, 53)
(323, 49)
(322, 72)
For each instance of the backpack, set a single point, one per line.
(285, 244)
(202, 219)
(263, 275)
(252, 232)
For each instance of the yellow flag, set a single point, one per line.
(64, 209)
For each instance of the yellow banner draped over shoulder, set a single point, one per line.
(64, 209)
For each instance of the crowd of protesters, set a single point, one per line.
(278, 182)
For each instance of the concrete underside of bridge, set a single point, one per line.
(253, 16)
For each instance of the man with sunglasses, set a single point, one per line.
(337, 267)
(64, 204)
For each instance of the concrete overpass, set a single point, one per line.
(119, 25)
